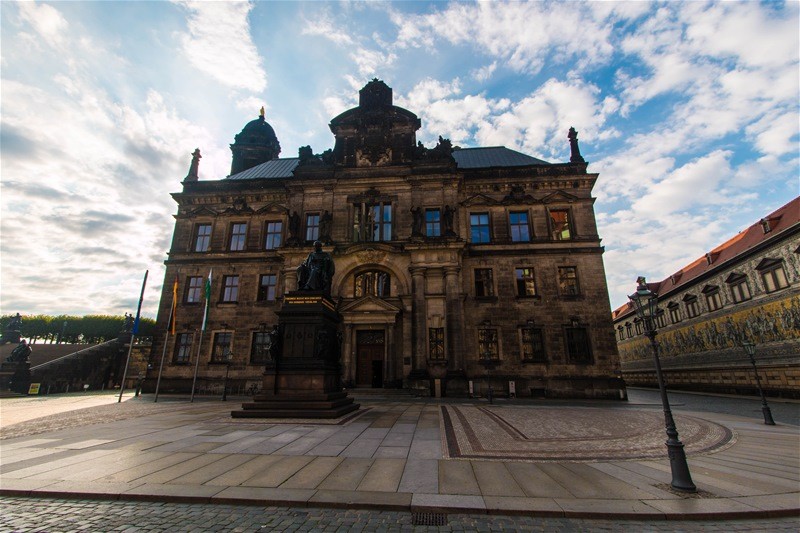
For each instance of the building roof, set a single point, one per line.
(777, 222)
(275, 168)
(467, 158)
(493, 156)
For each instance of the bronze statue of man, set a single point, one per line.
(20, 353)
(316, 272)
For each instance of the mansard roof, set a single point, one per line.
(466, 158)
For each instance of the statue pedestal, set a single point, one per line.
(305, 379)
(15, 378)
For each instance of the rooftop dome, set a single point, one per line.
(255, 144)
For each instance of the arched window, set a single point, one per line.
(373, 282)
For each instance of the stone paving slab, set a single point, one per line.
(390, 457)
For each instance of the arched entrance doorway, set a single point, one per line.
(370, 357)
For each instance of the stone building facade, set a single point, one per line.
(748, 288)
(465, 265)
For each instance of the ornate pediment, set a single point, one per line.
(559, 196)
(518, 196)
(239, 207)
(202, 211)
(274, 208)
(371, 304)
(479, 199)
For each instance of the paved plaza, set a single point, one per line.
(532, 462)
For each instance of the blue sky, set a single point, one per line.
(688, 110)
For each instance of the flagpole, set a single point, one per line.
(134, 331)
(202, 330)
(170, 328)
(163, 354)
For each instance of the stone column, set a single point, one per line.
(347, 354)
(420, 333)
(455, 318)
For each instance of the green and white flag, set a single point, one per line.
(208, 299)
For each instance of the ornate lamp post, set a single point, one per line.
(645, 303)
(750, 348)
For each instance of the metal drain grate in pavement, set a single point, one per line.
(428, 519)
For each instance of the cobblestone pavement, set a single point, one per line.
(52, 515)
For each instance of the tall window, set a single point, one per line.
(194, 289)
(674, 312)
(222, 347)
(661, 319)
(621, 333)
(484, 285)
(183, 348)
(372, 222)
(629, 329)
(267, 284)
(520, 230)
(479, 228)
(637, 324)
(274, 233)
(487, 344)
(578, 348)
(692, 307)
(230, 289)
(238, 237)
(772, 274)
(532, 344)
(713, 297)
(312, 226)
(526, 283)
(568, 281)
(433, 224)
(560, 225)
(202, 238)
(737, 284)
(373, 282)
(258, 348)
(436, 343)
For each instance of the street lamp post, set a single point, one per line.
(750, 348)
(645, 303)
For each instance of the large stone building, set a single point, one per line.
(460, 264)
(747, 288)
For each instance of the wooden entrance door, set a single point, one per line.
(369, 364)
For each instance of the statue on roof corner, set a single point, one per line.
(261, 112)
(575, 152)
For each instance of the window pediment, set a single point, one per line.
(735, 277)
(370, 304)
(274, 208)
(199, 212)
(768, 263)
(710, 289)
(479, 199)
(559, 196)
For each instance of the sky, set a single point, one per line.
(689, 112)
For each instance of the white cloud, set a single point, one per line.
(485, 72)
(371, 62)
(322, 25)
(47, 21)
(219, 44)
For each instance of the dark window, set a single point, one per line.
(484, 285)
(520, 230)
(266, 287)
(533, 344)
(740, 291)
(629, 329)
(258, 349)
(373, 282)
(312, 226)
(526, 284)
(621, 333)
(183, 348)
(674, 313)
(433, 225)
(568, 281)
(372, 222)
(436, 343)
(661, 319)
(560, 226)
(202, 238)
(487, 344)
(692, 308)
(274, 233)
(479, 228)
(238, 237)
(230, 289)
(578, 349)
(713, 297)
(773, 275)
(638, 325)
(194, 289)
(222, 347)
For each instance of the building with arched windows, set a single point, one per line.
(466, 265)
(746, 289)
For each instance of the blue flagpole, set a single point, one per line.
(134, 331)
